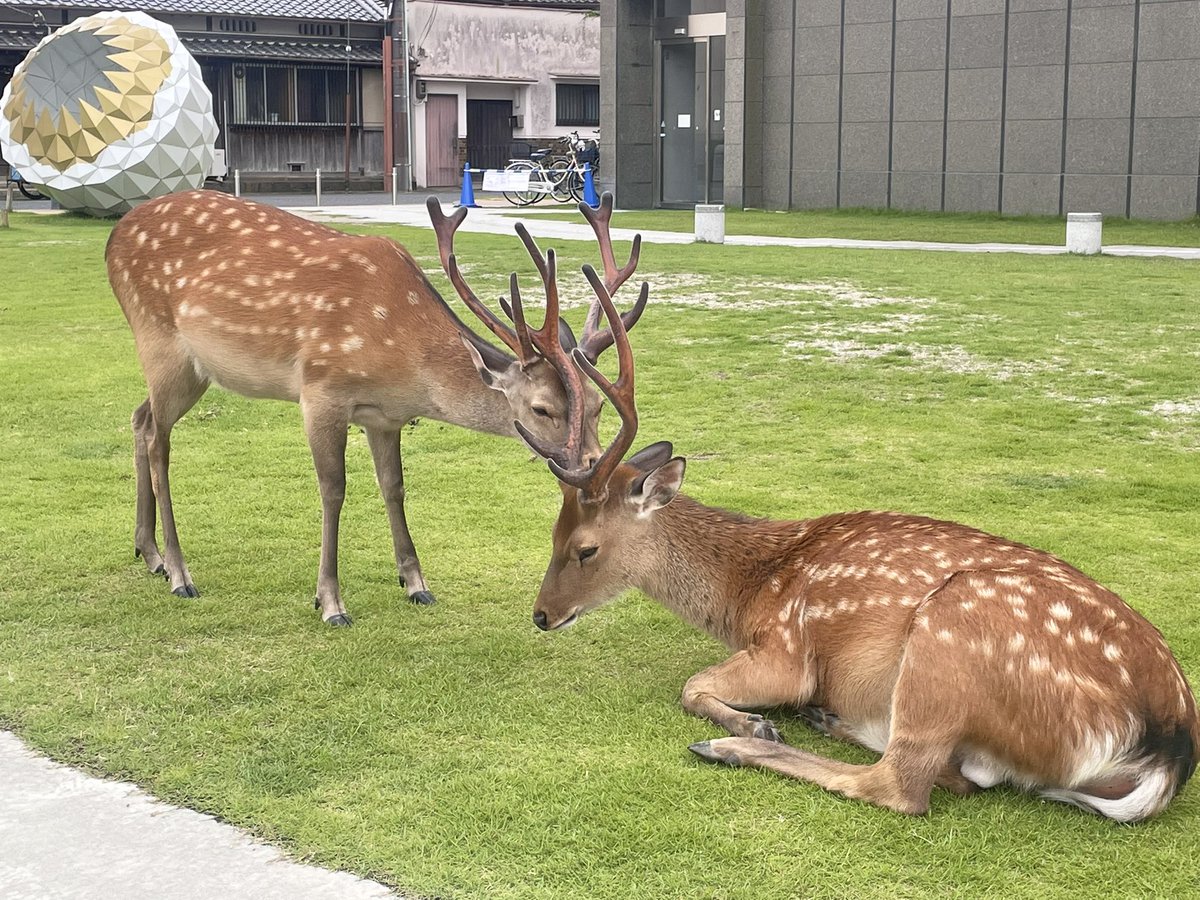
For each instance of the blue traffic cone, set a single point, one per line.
(589, 187)
(467, 198)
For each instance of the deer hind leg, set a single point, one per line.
(326, 431)
(830, 724)
(901, 780)
(173, 391)
(752, 678)
(144, 543)
(389, 471)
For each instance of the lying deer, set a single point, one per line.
(261, 302)
(967, 660)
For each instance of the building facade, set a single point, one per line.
(1012, 106)
(494, 79)
(300, 85)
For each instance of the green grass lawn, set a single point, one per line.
(894, 225)
(455, 751)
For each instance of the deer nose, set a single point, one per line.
(539, 619)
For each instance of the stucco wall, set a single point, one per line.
(530, 48)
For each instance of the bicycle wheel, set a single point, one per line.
(28, 192)
(561, 174)
(521, 198)
(577, 183)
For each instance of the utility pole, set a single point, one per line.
(401, 103)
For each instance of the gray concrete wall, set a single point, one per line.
(627, 127)
(1017, 106)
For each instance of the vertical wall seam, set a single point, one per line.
(1003, 110)
(945, 108)
(837, 196)
(891, 110)
(1062, 162)
(1137, 23)
(792, 118)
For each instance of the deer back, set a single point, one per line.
(263, 301)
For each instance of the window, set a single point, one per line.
(293, 95)
(577, 104)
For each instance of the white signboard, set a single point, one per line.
(504, 180)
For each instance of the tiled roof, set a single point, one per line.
(352, 10)
(26, 37)
(20, 37)
(283, 48)
(556, 4)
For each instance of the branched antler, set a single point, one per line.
(593, 481)
(596, 340)
(444, 227)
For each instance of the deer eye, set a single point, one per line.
(586, 553)
(541, 411)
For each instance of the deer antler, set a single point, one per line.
(595, 340)
(547, 341)
(444, 227)
(593, 482)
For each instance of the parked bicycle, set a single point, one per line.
(555, 175)
(28, 191)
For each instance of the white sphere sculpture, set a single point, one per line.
(109, 111)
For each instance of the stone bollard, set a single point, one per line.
(1083, 232)
(710, 223)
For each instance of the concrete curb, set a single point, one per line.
(69, 836)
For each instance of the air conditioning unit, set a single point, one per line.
(219, 168)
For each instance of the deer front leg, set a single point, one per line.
(389, 471)
(326, 430)
(750, 678)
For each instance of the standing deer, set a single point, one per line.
(966, 659)
(261, 302)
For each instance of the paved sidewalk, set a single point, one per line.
(69, 836)
(501, 219)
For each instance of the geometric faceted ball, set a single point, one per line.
(107, 112)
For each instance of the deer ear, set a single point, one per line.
(493, 371)
(657, 488)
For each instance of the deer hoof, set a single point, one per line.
(341, 620)
(763, 729)
(422, 598)
(186, 590)
(712, 751)
(820, 719)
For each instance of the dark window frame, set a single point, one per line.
(279, 94)
(577, 104)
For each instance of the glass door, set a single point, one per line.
(691, 96)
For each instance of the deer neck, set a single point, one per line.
(459, 395)
(705, 564)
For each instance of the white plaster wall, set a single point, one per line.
(372, 98)
(505, 53)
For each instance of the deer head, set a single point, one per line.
(607, 507)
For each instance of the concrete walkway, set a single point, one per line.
(497, 219)
(69, 836)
